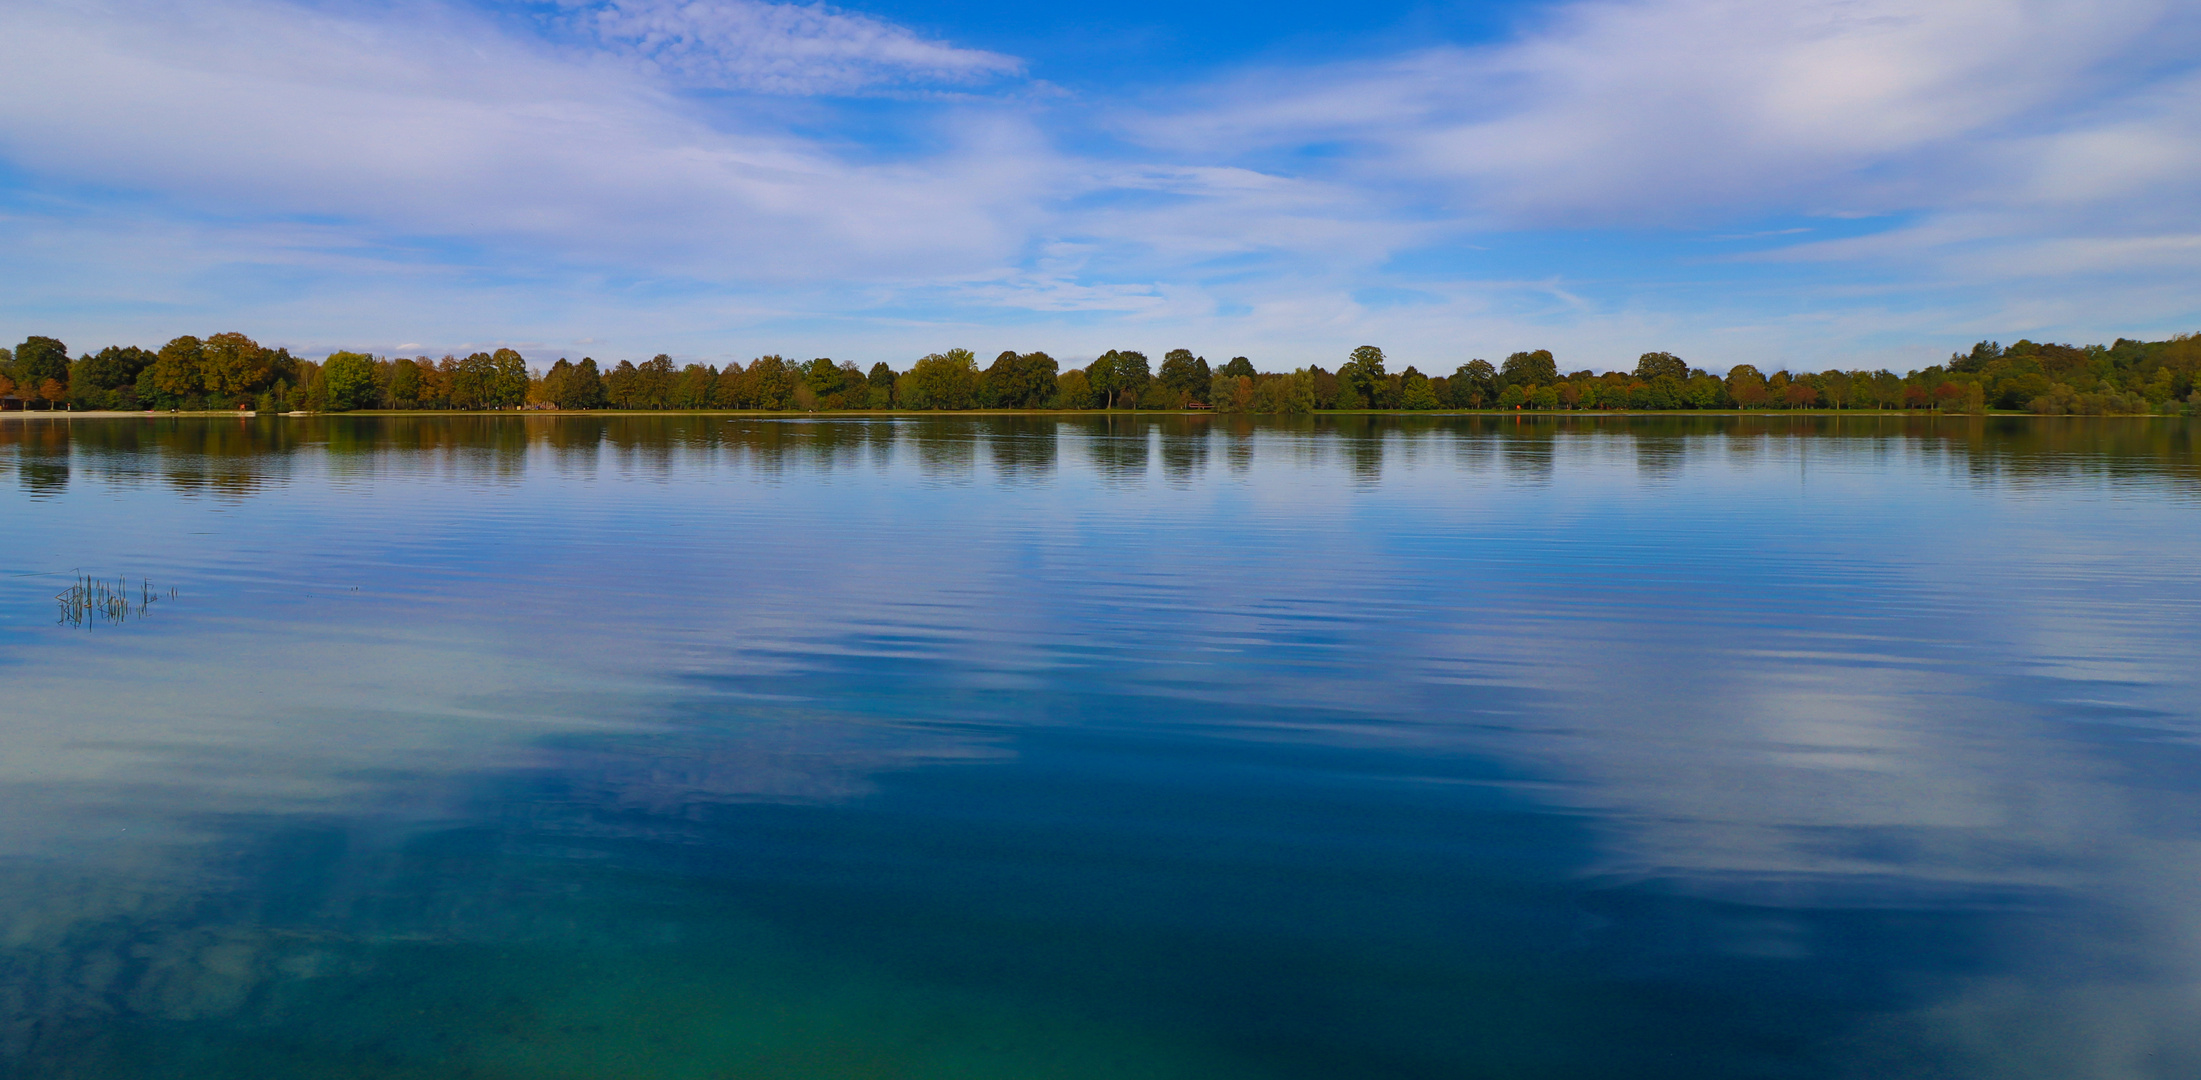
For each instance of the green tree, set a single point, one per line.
(1184, 374)
(881, 386)
(1019, 381)
(1132, 375)
(1662, 392)
(620, 387)
(997, 383)
(825, 380)
(855, 390)
(1240, 368)
(1536, 368)
(694, 387)
(234, 366)
(771, 383)
(347, 380)
(1415, 391)
(1101, 376)
(653, 383)
(508, 388)
(1837, 388)
(735, 388)
(176, 369)
(1285, 394)
(553, 388)
(1073, 390)
(38, 362)
(1474, 384)
(1651, 365)
(1887, 390)
(2018, 391)
(1369, 359)
(1982, 354)
(1746, 387)
(1231, 393)
(474, 382)
(584, 387)
(1361, 379)
(1325, 386)
(946, 380)
(403, 389)
(108, 379)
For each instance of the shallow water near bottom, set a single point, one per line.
(737, 747)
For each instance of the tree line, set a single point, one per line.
(231, 371)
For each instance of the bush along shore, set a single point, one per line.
(231, 371)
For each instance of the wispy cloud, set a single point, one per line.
(443, 127)
(683, 168)
(1680, 110)
(781, 48)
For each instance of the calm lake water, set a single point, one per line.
(1183, 747)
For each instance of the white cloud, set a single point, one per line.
(1972, 144)
(1679, 110)
(422, 151)
(781, 48)
(441, 126)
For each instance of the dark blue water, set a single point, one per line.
(710, 747)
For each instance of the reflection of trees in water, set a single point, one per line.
(1417, 440)
(1185, 443)
(1118, 446)
(1743, 446)
(947, 452)
(574, 442)
(1474, 448)
(44, 477)
(2071, 447)
(233, 458)
(1301, 439)
(476, 448)
(645, 445)
(1526, 451)
(1360, 438)
(1022, 449)
(42, 459)
(1237, 432)
(770, 447)
(228, 457)
(1659, 456)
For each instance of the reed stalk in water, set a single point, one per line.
(89, 599)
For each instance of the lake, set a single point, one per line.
(711, 746)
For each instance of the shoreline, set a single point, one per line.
(118, 414)
(1526, 414)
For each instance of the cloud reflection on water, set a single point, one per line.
(1913, 667)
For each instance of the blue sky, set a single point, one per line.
(1816, 183)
